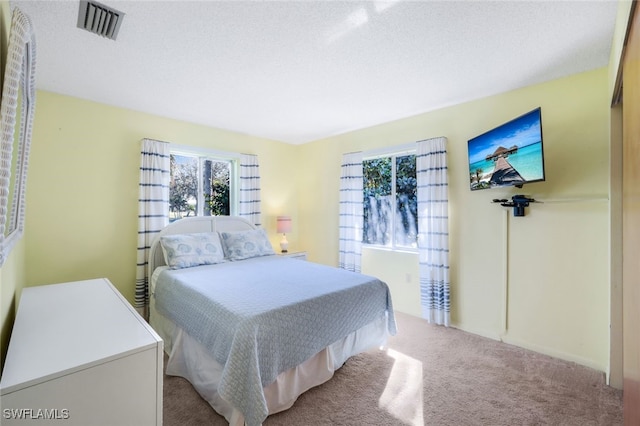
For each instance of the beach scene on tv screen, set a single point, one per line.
(508, 155)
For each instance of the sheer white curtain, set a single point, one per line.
(249, 206)
(351, 212)
(433, 229)
(153, 210)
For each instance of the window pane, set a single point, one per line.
(406, 220)
(377, 175)
(215, 176)
(183, 188)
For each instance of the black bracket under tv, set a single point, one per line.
(518, 202)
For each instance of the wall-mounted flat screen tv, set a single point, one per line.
(509, 155)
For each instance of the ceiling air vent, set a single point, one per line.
(99, 19)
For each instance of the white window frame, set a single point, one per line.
(397, 151)
(211, 154)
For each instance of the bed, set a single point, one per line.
(252, 330)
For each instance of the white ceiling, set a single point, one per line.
(298, 71)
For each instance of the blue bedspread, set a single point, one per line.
(262, 316)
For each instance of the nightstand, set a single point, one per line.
(302, 255)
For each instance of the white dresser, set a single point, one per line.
(80, 354)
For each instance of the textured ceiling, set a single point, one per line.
(298, 71)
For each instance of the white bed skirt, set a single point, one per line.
(189, 359)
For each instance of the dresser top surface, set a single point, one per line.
(61, 328)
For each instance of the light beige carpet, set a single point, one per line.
(431, 375)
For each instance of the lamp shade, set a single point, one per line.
(283, 224)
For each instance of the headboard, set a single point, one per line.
(189, 225)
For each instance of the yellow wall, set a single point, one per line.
(554, 262)
(81, 217)
(12, 280)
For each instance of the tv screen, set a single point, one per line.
(509, 155)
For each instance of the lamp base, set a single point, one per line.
(284, 244)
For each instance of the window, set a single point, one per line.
(390, 201)
(201, 186)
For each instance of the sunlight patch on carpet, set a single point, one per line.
(402, 396)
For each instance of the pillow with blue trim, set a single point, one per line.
(246, 244)
(187, 250)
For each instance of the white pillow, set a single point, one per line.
(246, 244)
(186, 250)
